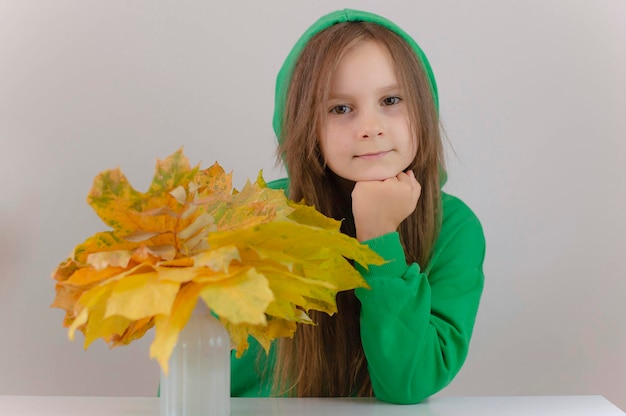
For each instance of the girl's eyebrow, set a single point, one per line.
(390, 88)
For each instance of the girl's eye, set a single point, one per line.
(391, 100)
(340, 109)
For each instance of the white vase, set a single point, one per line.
(198, 383)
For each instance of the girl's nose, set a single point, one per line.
(370, 125)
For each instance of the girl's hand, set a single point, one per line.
(380, 206)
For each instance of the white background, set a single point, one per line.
(532, 99)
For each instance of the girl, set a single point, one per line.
(356, 117)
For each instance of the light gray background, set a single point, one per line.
(532, 98)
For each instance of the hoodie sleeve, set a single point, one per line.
(416, 324)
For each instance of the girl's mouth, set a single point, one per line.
(373, 155)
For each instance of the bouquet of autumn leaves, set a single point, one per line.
(259, 261)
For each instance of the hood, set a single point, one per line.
(340, 16)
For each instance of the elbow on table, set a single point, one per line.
(407, 395)
(411, 393)
(402, 398)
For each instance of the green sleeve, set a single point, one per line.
(416, 324)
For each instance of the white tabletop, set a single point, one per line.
(466, 406)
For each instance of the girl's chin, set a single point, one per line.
(371, 176)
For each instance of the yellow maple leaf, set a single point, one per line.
(241, 299)
(258, 260)
(157, 297)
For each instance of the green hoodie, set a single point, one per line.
(416, 320)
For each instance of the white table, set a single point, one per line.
(466, 406)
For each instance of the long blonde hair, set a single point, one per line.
(328, 359)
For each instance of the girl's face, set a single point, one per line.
(366, 134)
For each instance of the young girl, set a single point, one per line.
(357, 121)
